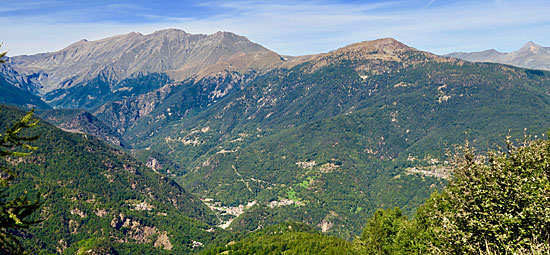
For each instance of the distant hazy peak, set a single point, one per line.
(531, 47)
(531, 55)
(531, 44)
(491, 51)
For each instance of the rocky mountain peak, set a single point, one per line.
(231, 38)
(122, 56)
(377, 52)
(385, 48)
(223, 34)
(531, 47)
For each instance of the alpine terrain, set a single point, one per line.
(176, 143)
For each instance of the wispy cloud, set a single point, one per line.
(429, 3)
(301, 27)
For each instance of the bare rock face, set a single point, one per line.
(122, 56)
(163, 241)
(531, 55)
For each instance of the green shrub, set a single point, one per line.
(495, 203)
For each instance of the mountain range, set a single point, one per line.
(531, 55)
(261, 138)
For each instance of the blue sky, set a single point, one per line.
(285, 26)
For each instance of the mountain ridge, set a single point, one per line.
(121, 56)
(530, 55)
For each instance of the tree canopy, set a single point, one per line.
(495, 203)
(15, 212)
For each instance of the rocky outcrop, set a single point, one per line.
(141, 234)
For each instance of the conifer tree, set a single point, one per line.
(2, 55)
(14, 212)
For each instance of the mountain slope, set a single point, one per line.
(94, 193)
(81, 121)
(531, 55)
(13, 92)
(331, 139)
(136, 117)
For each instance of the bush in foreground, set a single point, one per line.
(495, 203)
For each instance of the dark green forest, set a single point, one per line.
(93, 194)
(340, 146)
(494, 203)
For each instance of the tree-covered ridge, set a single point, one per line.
(371, 131)
(93, 193)
(286, 238)
(142, 115)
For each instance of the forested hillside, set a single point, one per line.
(94, 195)
(329, 141)
(495, 203)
